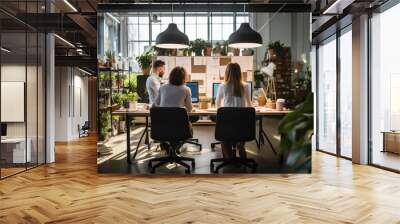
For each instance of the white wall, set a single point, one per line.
(70, 83)
(291, 29)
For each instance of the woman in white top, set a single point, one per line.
(175, 93)
(233, 93)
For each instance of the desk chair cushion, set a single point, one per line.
(170, 124)
(235, 124)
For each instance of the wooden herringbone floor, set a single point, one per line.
(71, 191)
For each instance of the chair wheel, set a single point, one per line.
(152, 171)
(187, 171)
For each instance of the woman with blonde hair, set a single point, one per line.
(233, 93)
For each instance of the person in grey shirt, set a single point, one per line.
(153, 82)
(175, 93)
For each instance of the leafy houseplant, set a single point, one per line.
(130, 100)
(198, 46)
(278, 49)
(217, 49)
(145, 60)
(131, 82)
(296, 130)
(117, 98)
(110, 56)
(104, 125)
(208, 49)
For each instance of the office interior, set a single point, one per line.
(132, 34)
(54, 166)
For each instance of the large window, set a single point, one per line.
(144, 28)
(327, 96)
(346, 93)
(385, 89)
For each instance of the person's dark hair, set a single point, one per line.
(177, 76)
(158, 63)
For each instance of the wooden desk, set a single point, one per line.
(128, 113)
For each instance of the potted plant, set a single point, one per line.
(224, 50)
(117, 98)
(276, 49)
(131, 82)
(130, 100)
(236, 51)
(114, 78)
(145, 60)
(208, 49)
(198, 46)
(104, 125)
(110, 59)
(217, 49)
(247, 52)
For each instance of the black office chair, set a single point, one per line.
(84, 129)
(213, 144)
(170, 125)
(234, 125)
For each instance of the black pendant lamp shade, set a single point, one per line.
(245, 37)
(172, 38)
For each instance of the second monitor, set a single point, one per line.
(194, 88)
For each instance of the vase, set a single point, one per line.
(207, 51)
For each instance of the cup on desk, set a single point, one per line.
(280, 103)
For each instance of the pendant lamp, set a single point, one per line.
(245, 37)
(172, 38)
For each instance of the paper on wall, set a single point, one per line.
(245, 62)
(212, 61)
(185, 62)
(199, 60)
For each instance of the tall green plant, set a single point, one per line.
(296, 130)
(104, 125)
(145, 59)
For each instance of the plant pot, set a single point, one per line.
(236, 51)
(208, 51)
(132, 105)
(125, 104)
(146, 71)
(173, 52)
(198, 52)
(247, 52)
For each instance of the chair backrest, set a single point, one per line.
(236, 124)
(141, 88)
(169, 124)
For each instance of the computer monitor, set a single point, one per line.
(215, 88)
(250, 83)
(3, 129)
(194, 88)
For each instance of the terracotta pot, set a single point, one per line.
(208, 51)
(236, 51)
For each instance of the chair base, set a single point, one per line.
(171, 158)
(249, 163)
(194, 141)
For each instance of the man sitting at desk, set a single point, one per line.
(233, 93)
(153, 83)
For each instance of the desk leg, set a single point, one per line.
(147, 141)
(140, 140)
(262, 134)
(128, 138)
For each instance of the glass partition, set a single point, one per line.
(346, 94)
(327, 93)
(385, 89)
